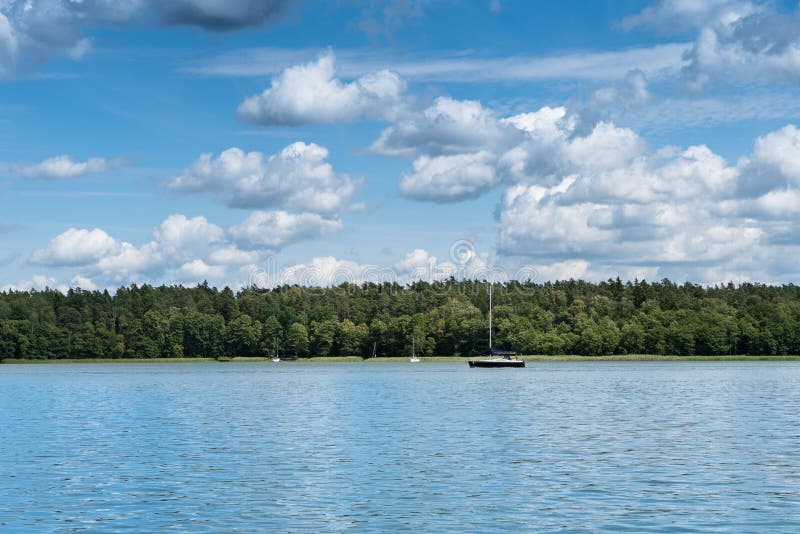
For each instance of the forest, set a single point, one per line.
(443, 318)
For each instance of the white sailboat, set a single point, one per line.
(414, 358)
(496, 357)
(276, 358)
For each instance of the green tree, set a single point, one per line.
(352, 338)
(632, 338)
(297, 339)
(243, 336)
(322, 337)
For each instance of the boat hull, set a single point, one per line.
(496, 363)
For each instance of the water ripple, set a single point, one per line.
(660, 447)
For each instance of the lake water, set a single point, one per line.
(687, 446)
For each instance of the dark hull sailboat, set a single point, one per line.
(496, 362)
(496, 358)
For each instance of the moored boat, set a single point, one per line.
(496, 357)
(414, 358)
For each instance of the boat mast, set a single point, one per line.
(490, 317)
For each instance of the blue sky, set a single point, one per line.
(313, 142)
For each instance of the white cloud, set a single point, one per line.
(419, 264)
(178, 234)
(38, 282)
(63, 167)
(76, 247)
(533, 222)
(84, 283)
(743, 42)
(275, 229)
(450, 178)
(297, 178)
(231, 255)
(311, 94)
(327, 271)
(687, 213)
(182, 249)
(780, 150)
(447, 126)
(562, 270)
(131, 263)
(539, 147)
(195, 270)
(416, 265)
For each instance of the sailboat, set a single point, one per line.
(375, 350)
(276, 358)
(496, 357)
(414, 358)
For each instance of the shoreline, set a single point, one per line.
(432, 359)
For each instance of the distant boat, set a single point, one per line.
(414, 358)
(276, 358)
(496, 357)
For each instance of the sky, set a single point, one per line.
(263, 142)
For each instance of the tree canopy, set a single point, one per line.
(443, 318)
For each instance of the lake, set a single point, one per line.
(656, 446)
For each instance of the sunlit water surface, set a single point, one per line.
(377, 446)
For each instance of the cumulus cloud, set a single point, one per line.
(583, 195)
(416, 265)
(762, 46)
(311, 94)
(447, 126)
(419, 264)
(231, 255)
(199, 270)
(297, 178)
(450, 178)
(131, 263)
(38, 282)
(179, 234)
(738, 41)
(684, 211)
(76, 247)
(325, 272)
(275, 229)
(182, 249)
(63, 167)
(463, 150)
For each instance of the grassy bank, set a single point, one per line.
(401, 359)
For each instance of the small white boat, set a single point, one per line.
(276, 358)
(414, 358)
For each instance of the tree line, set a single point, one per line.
(443, 318)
